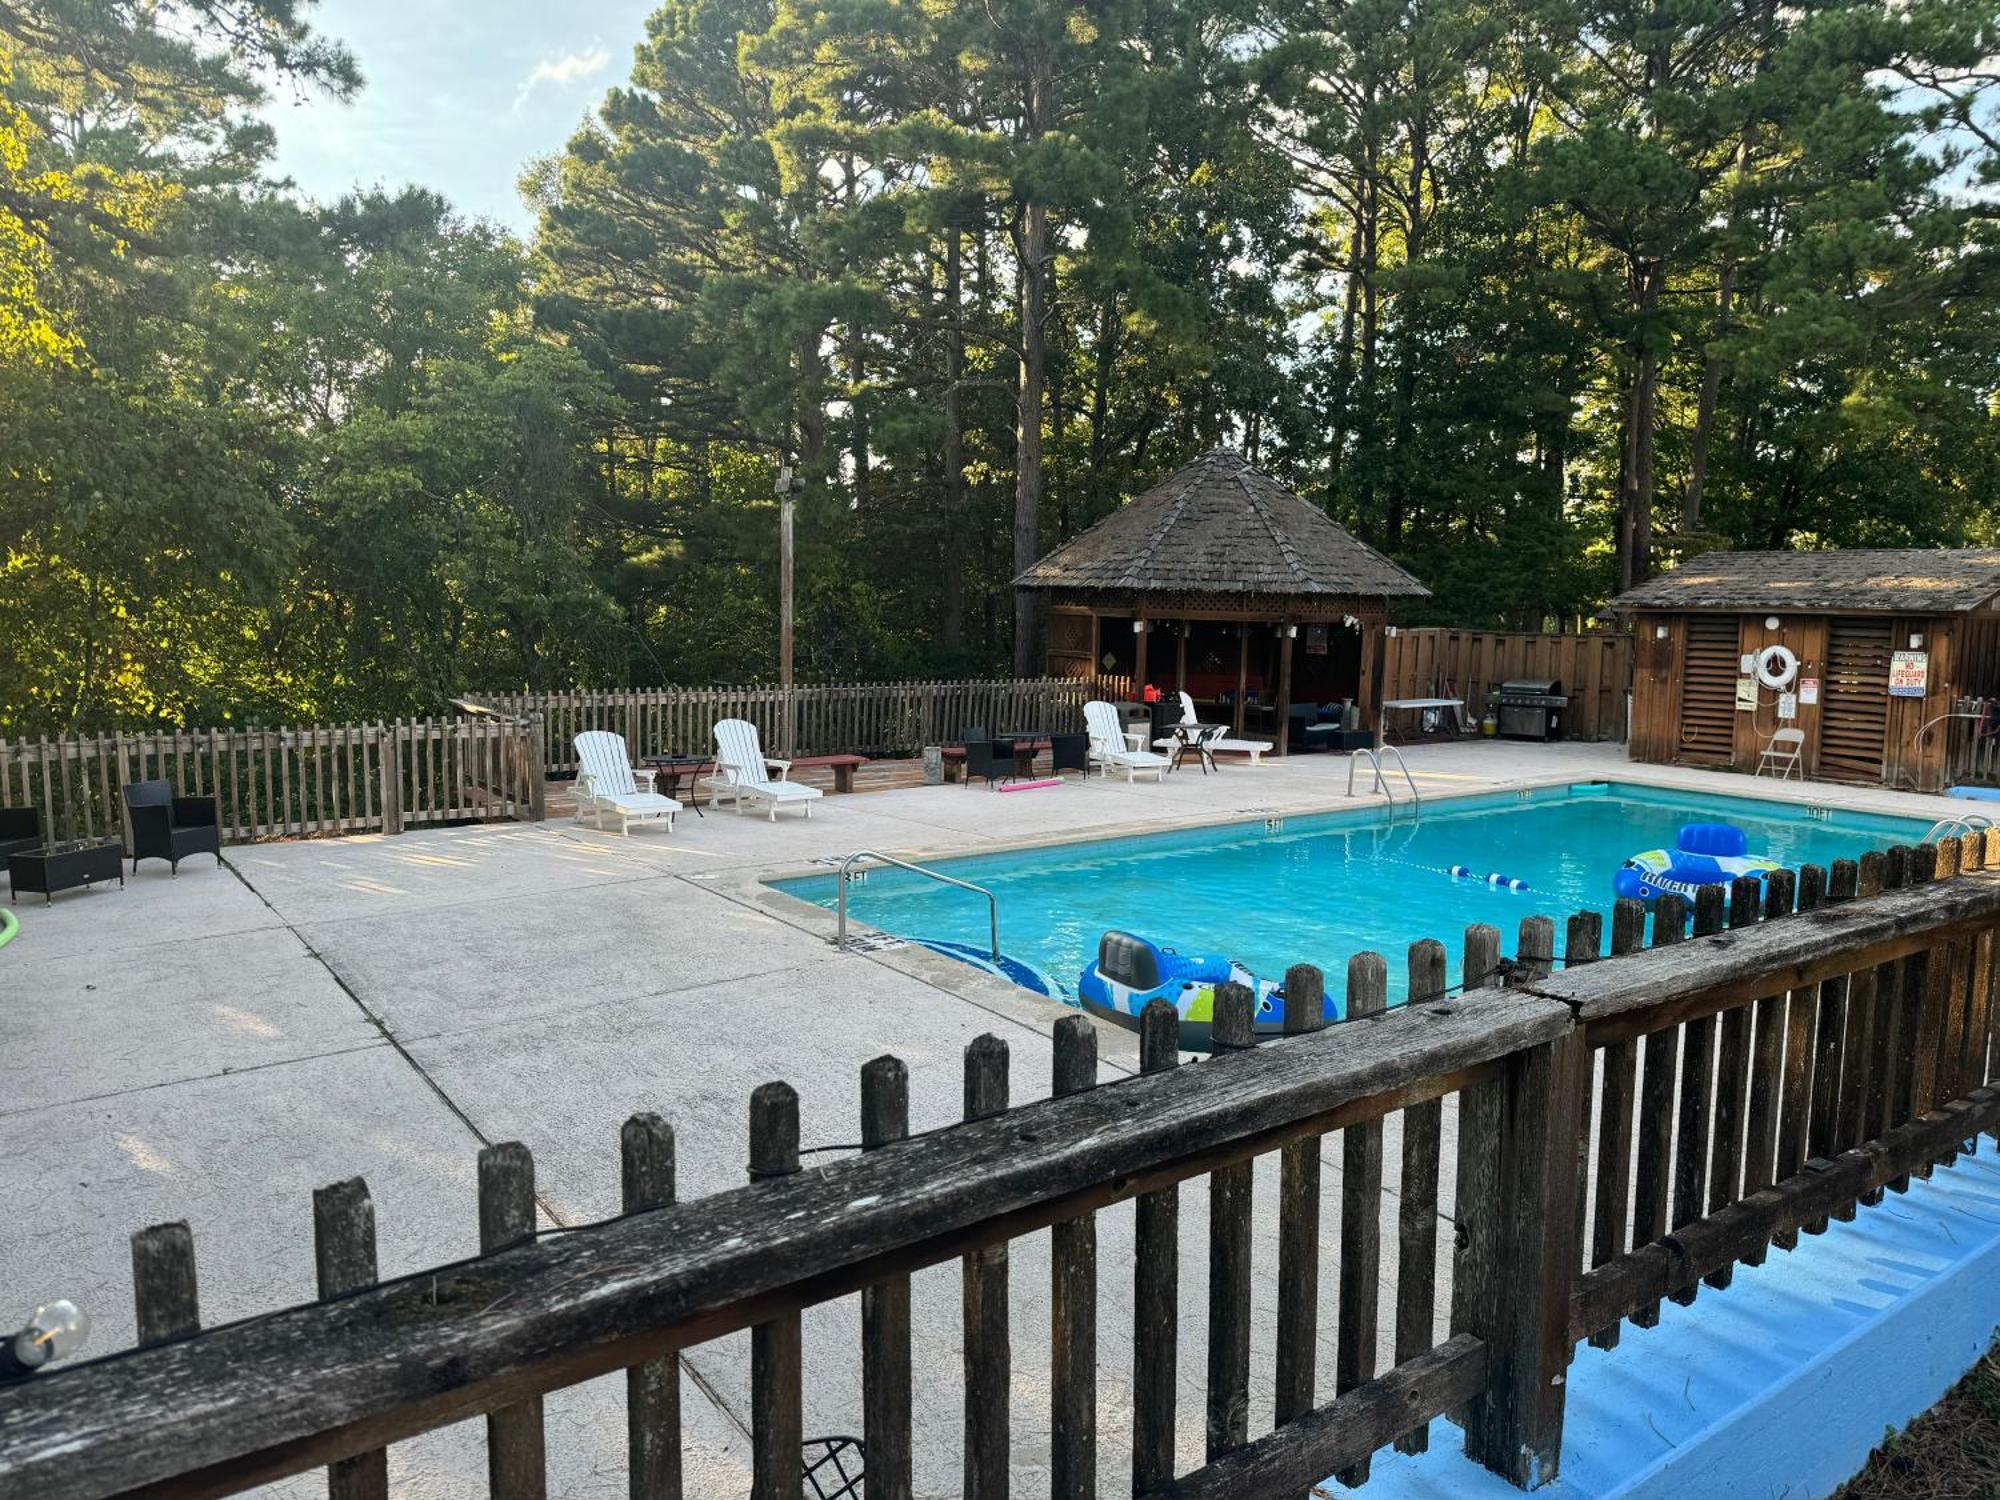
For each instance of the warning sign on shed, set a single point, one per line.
(1909, 674)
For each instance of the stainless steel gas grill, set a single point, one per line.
(1530, 708)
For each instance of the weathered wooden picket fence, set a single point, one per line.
(283, 783)
(858, 718)
(1595, 670)
(1627, 1131)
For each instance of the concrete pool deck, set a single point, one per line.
(215, 1046)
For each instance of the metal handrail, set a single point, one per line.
(1967, 823)
(1381, 782)
(992, 901)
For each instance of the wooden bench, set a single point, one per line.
(842, 766)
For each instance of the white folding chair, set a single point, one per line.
(1785, 750)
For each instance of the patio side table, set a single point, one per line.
(65, 866)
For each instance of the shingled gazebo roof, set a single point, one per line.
(1883, 581)
(1218, 527)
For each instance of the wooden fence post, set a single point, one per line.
(1229, 1205)
(163, 1284)
(344, 1255)
(516, 1462)
(885, 1306)
(652, 1389)
(1360, 1216)
(1155, 1297)
(988, 1346)
(1417, 1193)
(777, 1420)
(1073, 1299)
(1516, 1265)
(1298, 1225)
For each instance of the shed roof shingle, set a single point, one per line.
(1899, 580)
(1218, 526)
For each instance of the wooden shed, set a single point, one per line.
(1222, 583)
(1884, 642)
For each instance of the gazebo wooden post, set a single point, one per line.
(1139, 656)
(1242, 671)
(1096, 644)
(1180, 656)
(1374, 657)
(1284, 683)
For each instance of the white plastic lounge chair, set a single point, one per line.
(1107, 745)
(605, 784)
(1784, 751)
(743, 773)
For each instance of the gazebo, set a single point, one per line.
(1230, 588)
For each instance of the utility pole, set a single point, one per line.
(789, 486)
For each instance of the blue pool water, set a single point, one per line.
(1318, 889)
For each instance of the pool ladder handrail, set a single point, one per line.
(992, 901)
(1381, 783)
(1966, 823)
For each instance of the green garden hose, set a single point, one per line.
(9, 925)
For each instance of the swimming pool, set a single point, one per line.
(1319, 888)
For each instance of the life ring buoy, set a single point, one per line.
(1776, 667)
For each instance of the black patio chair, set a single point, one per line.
(171, 828)
(20, 830)
(986, 758)
(1069, 752)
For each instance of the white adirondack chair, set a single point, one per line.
(743, 773)
(1108, 747)
(605, 784)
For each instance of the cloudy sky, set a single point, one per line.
(459, 94)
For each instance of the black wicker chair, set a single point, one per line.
(1069, 752)
(20, 830)
(171, 828)
(987, 758)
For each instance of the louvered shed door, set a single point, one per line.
(1708, 690)
(1854, 700)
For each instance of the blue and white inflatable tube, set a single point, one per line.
(1705, 854)
(1132, 972)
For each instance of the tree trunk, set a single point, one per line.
(953, 562)
(1032, 248)
(1705, 405)
(1414, 227)
(1636, 502)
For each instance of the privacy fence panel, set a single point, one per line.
(300, 782)
(1595, 670)
(840, 718)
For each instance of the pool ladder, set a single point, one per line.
(1968, 823)
(992, 902)
(1374, 758)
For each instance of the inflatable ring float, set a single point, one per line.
(1705, 854)
(1130, 973)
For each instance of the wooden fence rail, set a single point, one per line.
(860, 718)
(1627, 1128)
(287, 783)
(1595, 670)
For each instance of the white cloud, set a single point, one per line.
(564, 72)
